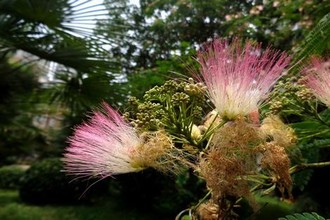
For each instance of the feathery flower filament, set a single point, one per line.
(102, 147)
(238, 78)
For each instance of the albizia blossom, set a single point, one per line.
(318, 79)
(239, 77)
(103, 146)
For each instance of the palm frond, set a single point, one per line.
(61, 31)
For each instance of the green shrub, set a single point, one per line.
(152, 191)
(10, 176)
(45, 183)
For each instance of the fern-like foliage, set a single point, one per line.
(316, 42)
(325, 143)
(303, 216)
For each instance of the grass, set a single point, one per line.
(12, 209)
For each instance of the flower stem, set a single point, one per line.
(303, 166)
(202, 200)
(178, 217)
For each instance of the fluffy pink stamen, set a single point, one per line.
(238, 77)
(318, 79)
(101, 147)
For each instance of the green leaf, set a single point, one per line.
(303, 216)
(301, 179)
(311, 129)
(325, 115)
(318, 144)
(316, 42)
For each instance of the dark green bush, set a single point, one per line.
(46, 183)
(10, 176)
(150, 190)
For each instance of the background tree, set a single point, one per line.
(160, 30)
(19, 136)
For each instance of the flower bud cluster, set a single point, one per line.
(167, 106)
(305, 94)
(179, 98)
(148, 115)
(289, 94)
(195, 89)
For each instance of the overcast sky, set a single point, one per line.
(92, 21)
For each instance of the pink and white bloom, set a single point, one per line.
(238, 77)
(318, 79)
(102, 147)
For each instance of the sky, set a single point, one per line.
(88, 3)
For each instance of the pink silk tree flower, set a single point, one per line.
(239, 77)
(318, 79)
(102, 147)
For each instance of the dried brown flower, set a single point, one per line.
(158, 152)
(276, 161)
(207, 211)
(230, 158)
(280, 133)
